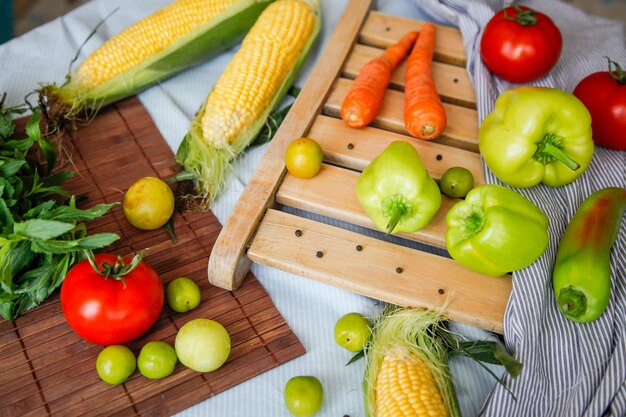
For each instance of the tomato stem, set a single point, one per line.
(618, 73)
(525, 17)
(118, 270)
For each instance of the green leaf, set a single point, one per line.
(39, 210)
(65, 246)
(72, 214)
(489, 352)
(271, 126)
(6, 309)
(274, 120)
(18, 146)
(49, 152)
(6, 278)
(41, 229)
(53, 190)
(481, 350)
(10, 167)
(58, 178)
(32, 127)
(6, 124)
(35, 280)
(27, 301)
(21, 255)
(5, 298)
(6, 217)
(356, 357)
(512, 365)
(61, 271)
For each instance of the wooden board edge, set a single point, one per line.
(400, 275)
(228, 263)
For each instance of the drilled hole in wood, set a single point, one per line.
(350, 146)
(399, 270)
(439, 157)
(387, 29)
(359, 248)
(319, 254)
(456, 80)
(298, 233)
(440, 291)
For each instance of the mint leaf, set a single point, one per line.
(72, 214)
(6, 124)
(32, 127)
(66, 246)
(41, 229)
(6, 278)
(40, 210)
(9, 167)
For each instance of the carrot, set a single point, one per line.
(424, 115)
(363, 101)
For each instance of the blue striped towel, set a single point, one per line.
(570, 369)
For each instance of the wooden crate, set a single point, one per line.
(268, 225)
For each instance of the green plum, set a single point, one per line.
(202, 345)
(352, 331)
(456, 182)
(304, 396)
(156, 360)
(115, 364)
(182, 294)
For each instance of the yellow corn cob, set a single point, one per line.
(251, 79)
(407, 371)
(174, 38)
(145, 38)
(405, 388)
(251, 85)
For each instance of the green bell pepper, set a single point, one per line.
(582, 271)
(537, 135)
(496, 230)
(396, 192)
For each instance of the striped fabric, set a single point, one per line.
(570, 369)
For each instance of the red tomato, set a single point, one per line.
(107, 311)
(604, 95)
(520, 44)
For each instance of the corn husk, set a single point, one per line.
(73, 103)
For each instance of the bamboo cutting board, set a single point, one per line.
(272, 222)
(47, 370)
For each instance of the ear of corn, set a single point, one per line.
(407, 372)
(159, 46)
(251, 86)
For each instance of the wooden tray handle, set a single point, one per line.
(229, 263)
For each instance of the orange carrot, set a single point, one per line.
(424, 115)
(363, 101)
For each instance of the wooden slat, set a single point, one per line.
(332, 195)
(460, 132)
(228, 263)
(452, 82)
(356, 148)
(382, 30)
(424, 280)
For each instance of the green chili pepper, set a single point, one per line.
(496, 230)
(582, 270)
(537, 135)
(396, 192)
